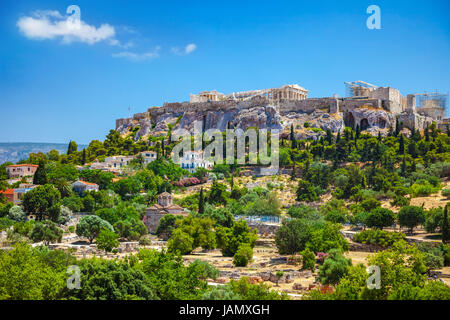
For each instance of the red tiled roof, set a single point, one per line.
(23, 165)
(7, 191)
(88, 183)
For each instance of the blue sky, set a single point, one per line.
(57, 85)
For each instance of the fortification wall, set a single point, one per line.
(350, 104)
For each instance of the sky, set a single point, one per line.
(64, 78)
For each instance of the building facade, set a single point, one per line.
(164, 206)
(21, 170)
(193, 160)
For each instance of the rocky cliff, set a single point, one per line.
(319, 114)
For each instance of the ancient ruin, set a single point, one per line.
(374, 109)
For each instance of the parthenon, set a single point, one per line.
(291, 92)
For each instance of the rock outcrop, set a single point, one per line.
(308, 122)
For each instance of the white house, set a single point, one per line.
(82, 186)
(192, 160)
(148, 156)
(118, 162)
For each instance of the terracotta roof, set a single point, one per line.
(174, 206)
(165, 194)
(88, 183)
(23, 165)
(7, 191)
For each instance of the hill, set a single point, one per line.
(16, 151)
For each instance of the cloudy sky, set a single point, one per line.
(67, 72)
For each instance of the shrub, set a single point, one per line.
(243, 255)
(446, 193)
(309, 259)
(378, 237)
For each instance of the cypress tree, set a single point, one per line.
(397, 127)
(40, 176)
(403, 167)
(445, 231)
(358, 132)
(83, 157)
(293, 141)
(72, 148)
(201, 202)
(401, 147)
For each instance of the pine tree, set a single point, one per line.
(201, 202)
(445, 231)
(293, 141)
(40, 176)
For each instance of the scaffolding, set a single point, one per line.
(355, 88)
(427, 99)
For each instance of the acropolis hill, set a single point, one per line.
(374, 109)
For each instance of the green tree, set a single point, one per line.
(308, 259)
(46, 231)
(43, 201)
(445, 229)
(72, 148)
(243, 255)
(380, 218)
(306, 192)
(230, 239)
(410, 217)
(16, 213)
(201, 202)
(90, 227)
(40, 176)
(334, 267)
(107, 240)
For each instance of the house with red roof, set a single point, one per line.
(21, 170)
(83, 186)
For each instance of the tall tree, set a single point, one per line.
(201, 202)
(445, 231)
(40, 176)
(72, 148)
(83, 157)
(293, 141)
(401, 146)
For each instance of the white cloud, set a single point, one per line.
(190, 48)
(186, 50)
(46, 24)
(138, 56)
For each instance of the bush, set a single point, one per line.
(334, 268)
(243, 255)
(308, 259)
(378, 237)
(446, 193)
